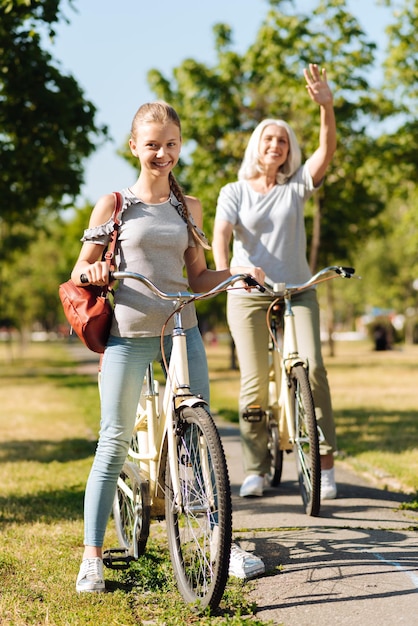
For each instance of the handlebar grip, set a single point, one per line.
(85, 280)
(346, 272)
(251, 282)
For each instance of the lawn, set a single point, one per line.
(48, 429)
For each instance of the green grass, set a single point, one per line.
(48, 432)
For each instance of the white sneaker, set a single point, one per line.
(90, 577)
(328, 486)
(253, 485)
(243, 564)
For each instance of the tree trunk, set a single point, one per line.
(313, 264)
(316, 235)
(330, 317)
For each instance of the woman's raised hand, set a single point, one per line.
(317, 85)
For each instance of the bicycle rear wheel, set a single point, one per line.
(131, 510)
(200, 530)
(306, 445)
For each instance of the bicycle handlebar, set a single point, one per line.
(184, 296)
(279, 289)
(270, 288)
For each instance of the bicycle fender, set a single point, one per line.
(190, 401)
(292, 362)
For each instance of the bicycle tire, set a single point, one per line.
(274, 475)
(200, 534)
(131, 510)
(306, 445)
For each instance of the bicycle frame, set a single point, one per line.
(155, 424)
(287, 358)
(283, 360)
(292, 421)
(176, 470)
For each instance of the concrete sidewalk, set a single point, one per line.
(356, 563)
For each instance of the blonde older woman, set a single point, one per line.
(263, 212)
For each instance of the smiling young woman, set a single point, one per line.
(159, 236)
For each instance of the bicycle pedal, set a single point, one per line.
(253, 413)
(117, 558)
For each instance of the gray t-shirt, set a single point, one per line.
(269, 229)
(152, 241)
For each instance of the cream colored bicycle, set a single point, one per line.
(176, 470)
(291, 419)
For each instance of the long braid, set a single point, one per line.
(185, 213)
(162, 113)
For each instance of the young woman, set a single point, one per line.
(263, 212)
(159, 236)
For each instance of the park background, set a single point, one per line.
(68, 92)
(75, 72)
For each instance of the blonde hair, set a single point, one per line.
(250, 166)
(160, 112)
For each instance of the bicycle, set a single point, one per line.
(290, 416)
(176, 470)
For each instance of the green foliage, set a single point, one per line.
(366, 207)
(32, 278)
(47, 126)
(220, 106)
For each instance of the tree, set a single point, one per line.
(47, 126)
(32, 276)
(389, 258)
(47, 130)
(221, 105)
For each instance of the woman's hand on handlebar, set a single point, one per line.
(256, 272)
(95, 274)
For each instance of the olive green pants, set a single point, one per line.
(246, 316)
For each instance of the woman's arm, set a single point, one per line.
(200, 277)
(320, 93)
(222, 234)
(89, 260)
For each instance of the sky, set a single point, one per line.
(110, 46)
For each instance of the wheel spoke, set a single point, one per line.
(199, 533)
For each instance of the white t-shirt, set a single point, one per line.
(269, 229)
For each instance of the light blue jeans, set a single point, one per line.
(124, 365)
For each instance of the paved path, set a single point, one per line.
(355, 564)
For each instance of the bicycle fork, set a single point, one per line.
(177, 396)
(291, 358)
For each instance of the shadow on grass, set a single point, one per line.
(363, 430)
(43, 506)
(46, 451)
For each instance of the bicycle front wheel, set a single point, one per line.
(199, 519)
(306, 445)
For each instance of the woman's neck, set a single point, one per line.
(154, 193)
(263, 183)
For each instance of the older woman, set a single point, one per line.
(264, 214)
